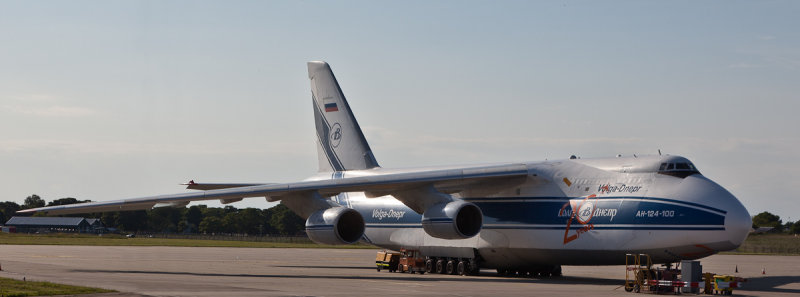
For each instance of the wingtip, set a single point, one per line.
(27, 211)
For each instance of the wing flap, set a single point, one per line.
(191, 185)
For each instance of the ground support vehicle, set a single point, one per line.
(387, 260)
(411, 261)
(724, 284)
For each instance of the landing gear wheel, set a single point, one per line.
(429, 266)
(462, 268)
(451, 267)
(628, 289)
(440, 266)
(474, 268)
(556, 272)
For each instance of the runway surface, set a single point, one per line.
(183, 271)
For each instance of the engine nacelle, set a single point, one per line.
(336, 225)
(453, 220)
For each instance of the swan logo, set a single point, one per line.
(585, 213)
(336, 135)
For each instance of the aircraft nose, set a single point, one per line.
(737, 219)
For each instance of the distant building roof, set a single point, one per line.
(92, 221)
(762, 229)
(45, 221)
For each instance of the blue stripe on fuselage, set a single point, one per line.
(634, 213)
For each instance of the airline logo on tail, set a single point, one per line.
(336, 135)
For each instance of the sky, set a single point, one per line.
(107, 100)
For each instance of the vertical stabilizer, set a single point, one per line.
(340, 143)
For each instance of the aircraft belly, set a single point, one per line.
(500, 248)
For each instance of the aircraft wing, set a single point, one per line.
(444, 181)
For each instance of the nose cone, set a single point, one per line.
(737, 219)
(737, 222)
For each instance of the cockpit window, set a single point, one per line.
(679, 169)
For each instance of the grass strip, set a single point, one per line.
(14, 288)
(769, 244)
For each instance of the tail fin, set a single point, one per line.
(340, 143)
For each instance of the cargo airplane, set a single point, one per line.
(529, 217)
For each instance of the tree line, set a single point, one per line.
(193, 219)
(767, 219)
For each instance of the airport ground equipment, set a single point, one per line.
(666, 279)
(691, 272)
(724, 284)
(686, 277)
(638, 272)
(387, 260)
(411, 261)
(641, 276)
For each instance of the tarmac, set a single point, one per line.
(196, 271)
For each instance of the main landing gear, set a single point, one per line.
(453, 266)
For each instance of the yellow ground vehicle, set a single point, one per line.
(724, 284)
(387, 260)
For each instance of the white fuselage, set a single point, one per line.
(574, 212)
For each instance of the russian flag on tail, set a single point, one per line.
(330, 105)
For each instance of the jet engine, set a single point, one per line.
(336, 225)
(453, 220)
